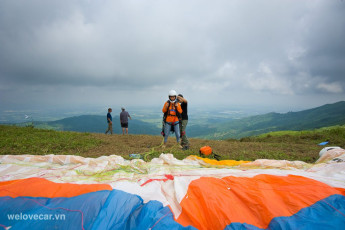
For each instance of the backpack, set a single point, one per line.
(207, 151)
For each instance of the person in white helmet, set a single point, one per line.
(171, 109)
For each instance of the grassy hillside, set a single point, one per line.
(278, 145)
(326, 115)
(27, 140)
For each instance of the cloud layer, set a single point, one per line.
(265, 51)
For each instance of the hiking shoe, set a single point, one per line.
(180, 146)
(186, 147)
(164, 146)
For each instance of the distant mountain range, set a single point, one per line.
(97, 124)
(326, 115)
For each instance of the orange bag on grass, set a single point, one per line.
(206, 150)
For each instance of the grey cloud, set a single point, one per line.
(286, 47)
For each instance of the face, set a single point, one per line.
(172, 98)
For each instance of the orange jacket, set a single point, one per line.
(171, 117)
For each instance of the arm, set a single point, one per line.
(165, 107)
(182, 99)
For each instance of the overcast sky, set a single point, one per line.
(222, 52)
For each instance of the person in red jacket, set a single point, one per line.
(171, 110)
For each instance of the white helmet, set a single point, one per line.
(172, 93)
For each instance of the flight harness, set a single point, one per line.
(179, 116)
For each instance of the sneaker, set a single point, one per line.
(164, 146)
(180, 146)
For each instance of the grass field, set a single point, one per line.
(287, 145)
(28, 140)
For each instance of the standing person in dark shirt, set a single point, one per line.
(110, 121)
(124, 115)
(184, 121)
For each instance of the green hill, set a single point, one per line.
(97, 124)
(326, 115)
